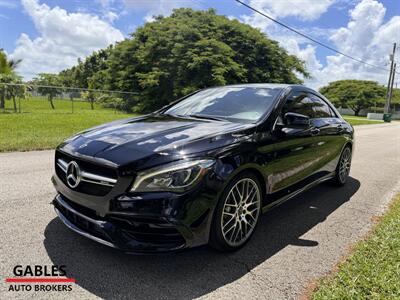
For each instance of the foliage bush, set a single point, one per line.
(110, 101)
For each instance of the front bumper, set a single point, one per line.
(137, 222)
(156, 236)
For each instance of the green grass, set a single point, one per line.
(373, 270)
(360, 120)
(39, 127)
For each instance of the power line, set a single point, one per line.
(310, 38)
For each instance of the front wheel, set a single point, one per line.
(343, 167)
(237, 213)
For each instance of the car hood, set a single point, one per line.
(150, 140)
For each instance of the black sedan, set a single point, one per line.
(200, 170)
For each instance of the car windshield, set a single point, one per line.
(235, 104)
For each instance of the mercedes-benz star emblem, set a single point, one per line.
(73, 174)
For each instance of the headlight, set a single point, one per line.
(175, 177)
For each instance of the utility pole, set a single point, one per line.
(391, 86)
(390, 83)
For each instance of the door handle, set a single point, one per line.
(314, 131)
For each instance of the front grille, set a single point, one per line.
(82, 223)
(82, 209)
(149, 230)
(145, 230)
(96, 179)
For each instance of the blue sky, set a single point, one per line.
(49, 35)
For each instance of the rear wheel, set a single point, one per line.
(237, 213)
(343, 167)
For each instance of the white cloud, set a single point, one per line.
(366, 18)
(63, 37)
(158, 7)
(306, 54)
(110, 10)
(366, 37)
(110, 16)
(303, 9)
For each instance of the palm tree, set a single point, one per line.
(7, 67)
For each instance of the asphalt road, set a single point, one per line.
(294, 244)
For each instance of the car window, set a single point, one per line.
(299, 103)
(234, 103)
(321, 108)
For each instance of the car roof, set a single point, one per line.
(294, 87)
(267, 85)
(261, 85)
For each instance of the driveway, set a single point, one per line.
(293, 245)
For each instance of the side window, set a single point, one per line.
(321, 109)
(333, 114)
(299, 103)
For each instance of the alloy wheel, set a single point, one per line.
(240, 212)
(345, 163)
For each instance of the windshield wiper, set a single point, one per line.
(168, 115)
(206, 117)
(195, 116)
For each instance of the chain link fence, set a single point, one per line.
(24, 98)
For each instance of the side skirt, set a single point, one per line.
(295, 193)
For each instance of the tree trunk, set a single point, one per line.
(51, 102)
(15, 104)
(356, 111)
(3, 97)
(91, 104)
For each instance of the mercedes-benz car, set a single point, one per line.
(200, 170)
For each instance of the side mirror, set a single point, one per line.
(293, 120)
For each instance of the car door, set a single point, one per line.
(330, 131)
(292, 153)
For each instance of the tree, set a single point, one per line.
(80, 75)
(111, 101)
(354, 94)
(189, 50)
(396, 96)
(7, 67)
(48, 85)
(11, 91)
(16, 91)
(90, 97)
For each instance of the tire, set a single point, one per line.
(343, 167)
(236, 214)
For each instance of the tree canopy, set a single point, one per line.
(8, 75)
(80, 74)
(11, 91)
(7, 66)
(173, 56)
(355, 94)
(48, 85)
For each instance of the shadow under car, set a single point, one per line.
(109, 273)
